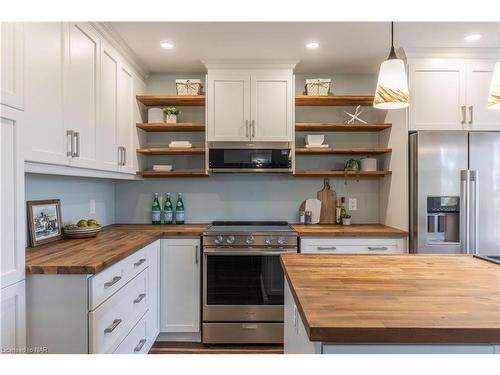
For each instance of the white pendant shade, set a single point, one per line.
(494, 96)
(392, 86)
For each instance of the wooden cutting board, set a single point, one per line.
(327, 196)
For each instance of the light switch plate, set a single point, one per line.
(92, 206)
(353, 204)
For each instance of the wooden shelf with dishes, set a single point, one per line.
(343, 174)
(333, 100)
(171, 151)
(342, 151)
(340, 127)
(173, 174)
(177, 127)
(179, 100)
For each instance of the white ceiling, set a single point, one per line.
(345, 47)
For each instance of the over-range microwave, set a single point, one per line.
(250, 158)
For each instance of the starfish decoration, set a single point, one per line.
(355, 116)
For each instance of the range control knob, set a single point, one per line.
(268, 240)
(281, 240)
(230, 240)
(249, 240)
(218, 240)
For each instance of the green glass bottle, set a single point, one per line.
(156, 210)
(168, 211)
(179, 210)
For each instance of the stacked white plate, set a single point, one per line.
(180, 144)
(162, 167)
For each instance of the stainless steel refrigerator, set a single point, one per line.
(455, 192)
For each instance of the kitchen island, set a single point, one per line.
(391, 304)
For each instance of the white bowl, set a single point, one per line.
(315, 139)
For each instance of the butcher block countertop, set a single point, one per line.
(353, 230)
(406, 299)
(92, 255)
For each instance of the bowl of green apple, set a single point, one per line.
(85, 228)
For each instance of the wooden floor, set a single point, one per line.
(198, 348)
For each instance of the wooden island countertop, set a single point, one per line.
(354, 230)
(417, 299)
(92, 255)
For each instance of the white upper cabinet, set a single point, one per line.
(81, 107)
(437, 90)
(228, 101)
(125, 119)
(272, 107)
(250, 105)
(11, 62)
(479, 117)
(45, 138)
(12, 219)
(451, 94)
(106, 143)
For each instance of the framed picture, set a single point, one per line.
(44, 221)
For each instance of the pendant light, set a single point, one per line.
(392, 85)
(494, 96)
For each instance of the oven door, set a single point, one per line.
(242, 285)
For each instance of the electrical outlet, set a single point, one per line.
(353, 204)
(92, 206)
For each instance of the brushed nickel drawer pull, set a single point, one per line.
(326, 247)
(112, 327)
(139, 346)
(140, 297)
(138, 263)
(249, 326)
(377, 248)
(112, 282)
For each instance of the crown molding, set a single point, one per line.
(250, 64)
(453, 53)
(107, 31)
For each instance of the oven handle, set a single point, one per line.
(255, 251)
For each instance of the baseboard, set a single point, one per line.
(179, 337)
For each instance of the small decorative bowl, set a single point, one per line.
(84, 232)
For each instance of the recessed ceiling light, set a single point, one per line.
(312, 45)
(472, 37)
(166, 44)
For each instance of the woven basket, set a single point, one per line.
(318, 86)
(188, 86)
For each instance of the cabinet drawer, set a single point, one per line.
(136, 340)
(104, 284)
(111, 321)
(349, 245)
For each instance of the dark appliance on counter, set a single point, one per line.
(249, 159)
(243, 282)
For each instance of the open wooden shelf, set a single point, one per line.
(352, 174)
(179, 100)
(178, 127)
(175, 173)
(333, 100)
(171, 150)
(342, 150)
(339, 127)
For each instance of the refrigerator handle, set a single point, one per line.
(464, 210)
(474, 187)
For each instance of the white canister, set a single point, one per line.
(155, 115)
(368, 164)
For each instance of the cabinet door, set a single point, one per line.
(180, 285)
(271, 107)
(228, 113)
(13, 318)
(437, 90)
(479, 117)
(81, 108)
(44, 135)
(125, 118)
(106, 143)
(12, 218)
(11, 59)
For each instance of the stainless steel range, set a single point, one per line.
(243, 282)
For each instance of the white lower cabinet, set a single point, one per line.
(12, 319)
(352, 245)
(180, 286)
(114, 311)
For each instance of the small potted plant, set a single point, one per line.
(346, 220)
(170, 114)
